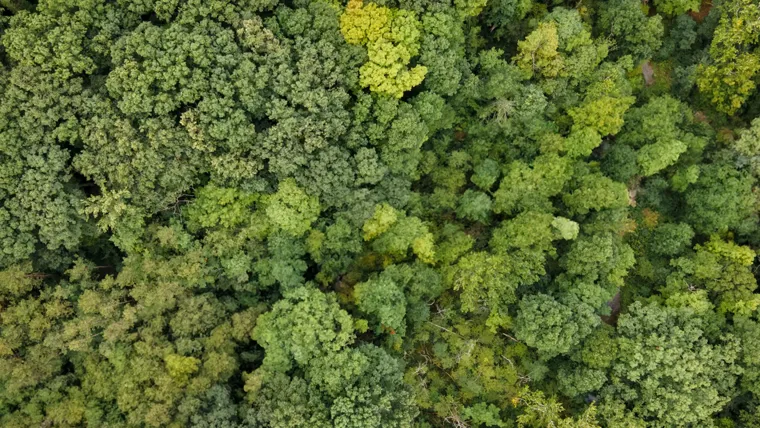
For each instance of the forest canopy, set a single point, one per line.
(379, 213)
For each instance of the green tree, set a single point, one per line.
(677, 7)
(551, 326)
(538, 52)
(291, 209)
(669, 370)
(596, 192)
(636, 34)
(721, 199)
(392, 39)
(728, 79)
(655, 157)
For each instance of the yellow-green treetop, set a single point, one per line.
(392, 39)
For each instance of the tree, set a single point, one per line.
(748, 147)
(291, 209)
(670, 239)
(551, 326)
(40, 204)
(596, 192)
(669, 370)
(360, 386)
(475, 206)
(31, 370)
(383, 299)
(307, 325)
(721, 199)
(635, 33)
(538, 52)
(483, 277)
(728, 79)
(525, 188)
(654, 157)
(392, 233)
(540, 411)
(392, 39)
(677, 7)
(605, 101)
(501, 13)
(723, 269)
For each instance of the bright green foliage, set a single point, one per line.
(603, 115)
(291, 209)
(669, 371)
(220, 206)
(655, 157)
(521, 246)
(596, 192)
(604, 104)
(684, 177)
(452, 243)
(748, 332)
(384, 217)
(538, 52)
(524, 187)
(392, 233)
(729, 79)
(572, 31)
(527, 232)
(483, 414)
(307, 325)
(392, 39)
(582, 141)
(181, 367)
(470, 7)
(482, 276)
(723, 270)
(567, 229)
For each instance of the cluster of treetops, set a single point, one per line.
(379, 213)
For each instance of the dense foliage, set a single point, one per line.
(379, 213)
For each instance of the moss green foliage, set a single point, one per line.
(379, 213)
